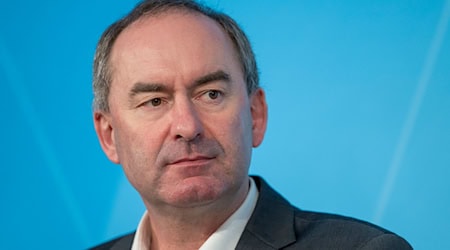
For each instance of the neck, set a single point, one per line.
(188, 228)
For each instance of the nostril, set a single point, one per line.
(188, 139)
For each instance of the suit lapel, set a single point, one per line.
(271, 225)
(124, 242)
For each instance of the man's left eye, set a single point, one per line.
(213, 94)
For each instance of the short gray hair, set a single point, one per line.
(102, 75)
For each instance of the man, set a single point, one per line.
(178, 105)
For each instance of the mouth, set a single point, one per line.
(194, 161)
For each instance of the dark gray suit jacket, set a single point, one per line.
(276, 224)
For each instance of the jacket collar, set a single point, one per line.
(124, 243)
(271, 225)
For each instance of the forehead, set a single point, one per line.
(170, 20)
(167, 37)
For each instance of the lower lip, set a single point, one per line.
(191, 168)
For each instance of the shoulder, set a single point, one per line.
(279, 224)
(343, 232)
(123, 242)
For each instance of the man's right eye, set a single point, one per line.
(155, 102)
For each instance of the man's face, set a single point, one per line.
(181, 122)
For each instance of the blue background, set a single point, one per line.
(359, 99)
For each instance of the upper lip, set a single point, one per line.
(191, 158)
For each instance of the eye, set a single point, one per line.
(155, 102)
(211, 97)
(213, 94)
(152, 103)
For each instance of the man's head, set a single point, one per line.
(182, 117)
(103, 71)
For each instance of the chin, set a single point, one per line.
(198, 190)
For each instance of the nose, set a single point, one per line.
(186, 123)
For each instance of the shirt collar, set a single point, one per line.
(229, 233)
(225, 237)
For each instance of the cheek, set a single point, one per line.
(136, 136)
(134, 147)
(236, 136)
(137, 159)
(231, 128)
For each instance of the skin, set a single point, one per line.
(181, 124)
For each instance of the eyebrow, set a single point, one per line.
(141, 87)
(219, 75)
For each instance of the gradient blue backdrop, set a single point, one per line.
(359, 98)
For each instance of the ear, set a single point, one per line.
(259, 116)
(105, 133)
